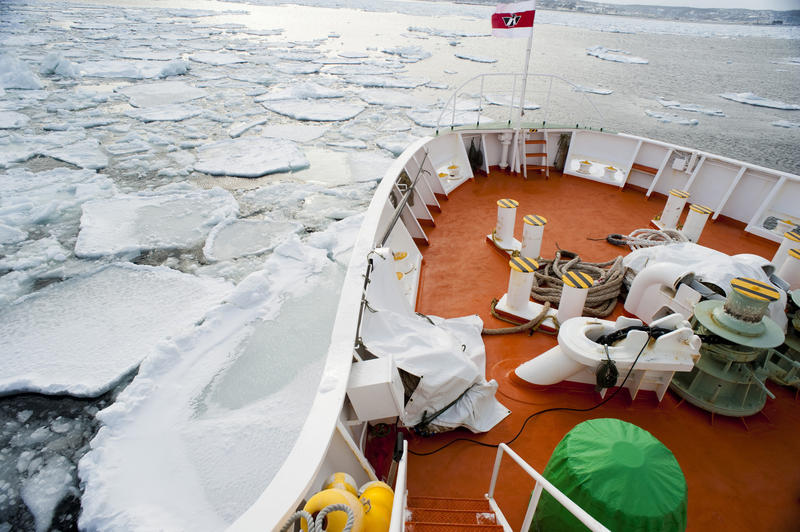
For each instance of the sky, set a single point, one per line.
(780, 5)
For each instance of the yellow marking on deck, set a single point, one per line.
(535, 219)
(793, 235)
(523, 264)
(755, 289)
(702, 209)
(508, 203)
(794, 253)
(577, 279)
(679, 193)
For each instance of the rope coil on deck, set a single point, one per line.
(603, 294)
(645, 238)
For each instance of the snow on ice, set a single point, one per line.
(16, 74)
(172, 217)
(249, 157)
(51, 347)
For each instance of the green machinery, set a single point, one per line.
(784, 367)
(729, 378)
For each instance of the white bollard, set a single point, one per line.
(790, 269)
(573, 295)
(520, 282)
(791, 239)
(673, 209)
(532, 233)
(695, 221)
(506, 218)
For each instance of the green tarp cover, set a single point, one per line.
(620, 474)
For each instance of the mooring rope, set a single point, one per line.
(645, 238)
(532, 325)
(603, 294)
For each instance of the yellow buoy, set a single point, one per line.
(341, 481)
(377, 498)
(335, 521)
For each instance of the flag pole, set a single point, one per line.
(525, 77)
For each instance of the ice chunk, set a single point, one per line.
(691, 107)
(296, 68)
(82, 335)
(386, 81)
(133, 69)
(752, 99)
(672, 119)
(505, 100)
(301, 91)
(787, 124)
(13, 120)
(174, 112)
(592, 90)
(619, 56)
(430, 117)
(475, 58)
(445, 33)
(148, 54)
(389, 98)
(408, 53)
(55, 63)
(43, 490)
(244, 375)
(237, 129)
(396, 143)
(347, 144)
(128, 145)
(178, 217)
(294, 132)
(249, 157)
(217, 58)
(85, 154)
(16, 74)
(240, 238)
(161, 93)
(35, 253)
(315, 111)
(11, 235)
(338, 239)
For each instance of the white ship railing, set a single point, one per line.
(400, 491)
(541, 484)
(516, 111)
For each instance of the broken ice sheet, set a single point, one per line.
(315, 111)
(133, 69)
(161, 93)
(301, 91)
(174, 112)
(249, 157)
(386, 81)
(753, 99)
(13, 120)
(172, 217)
(78, 336)
(240, 238)
(618, 56)
(431, 117)
(396, 143)
(217, 58)
(389, 98)
(296, 68)
(294, 132)
(671, 118)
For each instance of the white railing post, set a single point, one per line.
(399, 503)
(498, 458)
(534, 502)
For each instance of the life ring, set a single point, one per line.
(341, 481)
(335, 521)
(377, 498)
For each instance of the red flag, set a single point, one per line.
(513, 20)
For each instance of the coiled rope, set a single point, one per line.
(645, 238)
(603, 294)
(317, 526)
(531, 326)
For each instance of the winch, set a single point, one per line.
(737, 336)
(784, 365)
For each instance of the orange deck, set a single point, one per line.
(740, 477)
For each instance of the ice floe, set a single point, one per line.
(240, 238)
(301, 91)
(249, 157)
(411, 54)
(671, 118)
(217, 58)
(505, 100)
(57, 64)
(294, 132)
(390, 82)
(396, 143)
(45, 488)
(297, 68)
(691, 107)
(475, 58)
(243, 375)
(238, 129)
(315, 111)
(174, 112)
(133, 69)
(161, 93)
(35, 253)
(787, 124)
(591, 90)
(448, 34)
(430, 117)
(84, 154)
(16, 74)
(173, 217)
(82, 335)
(13, 120)
(753, 99)
(389, 98)
(618, 56)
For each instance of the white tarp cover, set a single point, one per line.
(448, 354)
(709, 266)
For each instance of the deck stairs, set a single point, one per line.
(445, 514)
(535, 153)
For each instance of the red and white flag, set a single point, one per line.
(513, 20)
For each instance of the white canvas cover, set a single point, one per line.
(448, 355)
